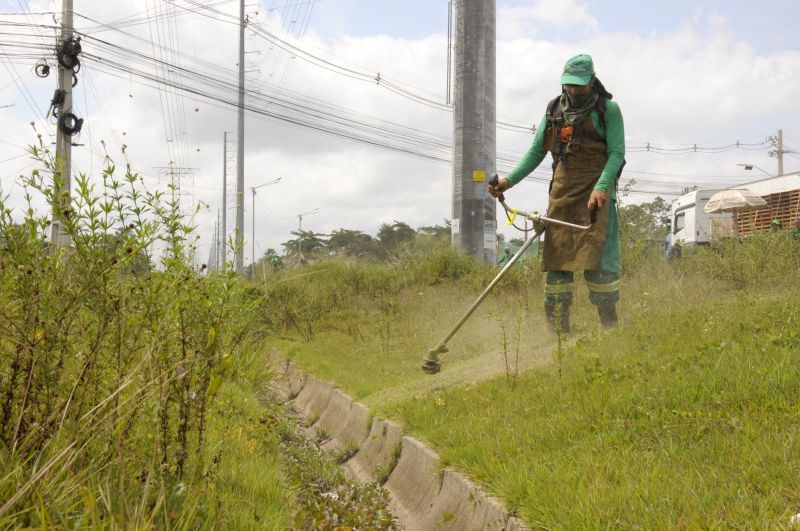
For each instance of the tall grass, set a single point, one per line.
(111, 357)
(330, 290)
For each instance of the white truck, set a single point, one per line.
(691, 226)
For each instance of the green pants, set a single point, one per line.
(603, 287)
(603, 283)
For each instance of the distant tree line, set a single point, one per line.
(642, 223)
(385, 245)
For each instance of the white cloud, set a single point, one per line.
(696, 83)
(521, 21)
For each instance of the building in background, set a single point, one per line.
(782, 195)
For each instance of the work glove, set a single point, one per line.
(498, 186)
(538, 226)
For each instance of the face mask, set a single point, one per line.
(578, 99)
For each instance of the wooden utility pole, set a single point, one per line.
(63, 170)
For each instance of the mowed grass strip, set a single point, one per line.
(680, 419)
(366, 351)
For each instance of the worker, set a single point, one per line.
(507, 255)
(583, 131)
(796, 229)
(776, 225)
(668, 244)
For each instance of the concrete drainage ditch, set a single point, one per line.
(423, 495)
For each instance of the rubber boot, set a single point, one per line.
(551, 311)
(608, 314)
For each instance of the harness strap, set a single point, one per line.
(574, 137)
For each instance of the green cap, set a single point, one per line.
(579, 70)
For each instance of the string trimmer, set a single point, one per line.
(430, 364)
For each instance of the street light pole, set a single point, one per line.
(253, 228)
(750, 166)
(300, 231)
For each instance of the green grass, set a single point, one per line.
(367, 366)
(690, 424)
(378, 371)
(683, 417)
(249, 486)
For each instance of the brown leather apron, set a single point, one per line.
(568, 249)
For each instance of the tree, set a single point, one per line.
(350, 243)
(643, 221)
(390, 236)
(307, 242)
(436, 231)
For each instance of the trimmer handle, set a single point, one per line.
(493, 182)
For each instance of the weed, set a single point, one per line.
(326, 499)
(388, 309)
(383, 471)
(344, 454)
(511, 365)
(311, 419)
(446, 518)
(321, 435)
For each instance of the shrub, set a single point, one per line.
(110, 355)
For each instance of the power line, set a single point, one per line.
(296, 112)
(633, 147)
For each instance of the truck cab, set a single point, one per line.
(690, 225)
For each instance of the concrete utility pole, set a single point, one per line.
(212, 253)
(474, 228)
(449, 49)
(780, 152)
(224, 197)
(239, 252)
(217, 256)
(63, 139)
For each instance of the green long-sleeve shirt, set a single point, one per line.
(613, 133)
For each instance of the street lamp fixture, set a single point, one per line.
(750, 166)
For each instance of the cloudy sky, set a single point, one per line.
(686, 73)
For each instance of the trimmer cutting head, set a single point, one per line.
(431, 363)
